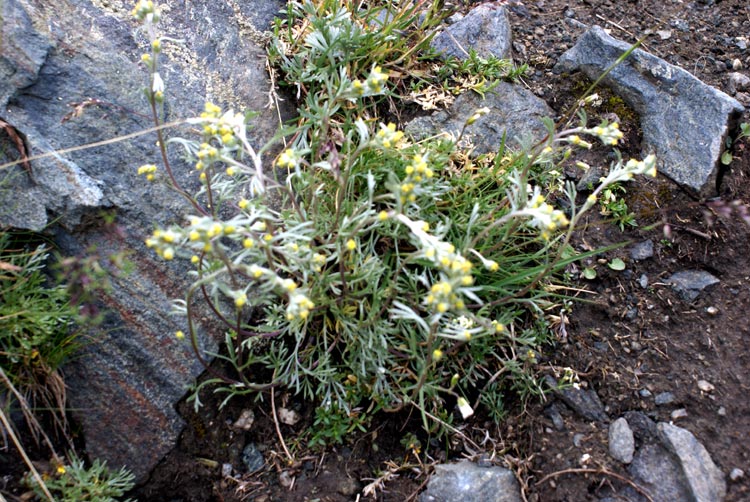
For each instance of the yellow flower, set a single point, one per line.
(243, 203)
(180, 335)
(351, 245)
(194, 259)
(383, 215)
(248, 243)
(61, 469)
(437, 355)
(168, 254)
(240, 300)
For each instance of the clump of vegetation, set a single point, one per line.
(76, 483)
(388, 277)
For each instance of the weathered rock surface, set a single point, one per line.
(124, 386)
(684, 121)
(486, 29)
(514, 113)
(705, 481)
(689, 283)
(467, 482)
(659, 473)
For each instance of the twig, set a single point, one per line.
(597, 471)
(278, 429)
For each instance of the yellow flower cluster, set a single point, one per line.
(372, 86)
(299, 307)
(145, 9)
(416, 172)
(545, 217)
(224, 126)
(162, 242)
(609, 134)
(149, 170)
(388, 136)
(288, 159)
(376, 80)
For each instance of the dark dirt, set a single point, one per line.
(623, 338)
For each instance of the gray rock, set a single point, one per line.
(466, 482)
(514, 112)
(684, 121)
(642, 250)
(621, 441)
(585, 402)
(644, 429)
(737, 82)
(705, 481)
(663, 398)
(678, 414)
(689, 283)
(252, 458)
(659, 473)
(124, 385)
(554, 414)
(486, 29)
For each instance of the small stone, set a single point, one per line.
(689, 283)
(246, 420)
(621, 441)
(348, 487)
(585, 402)
(554, 414)
(712, 310)
(226, 470)
(705, 386)
(736, 474)
(736, 64)
(643, 281)
(664, 398)
(679, 413)
(664, 34)
(642, 250)
(645, 393)
(286, 479)
(288, 417)
(578, 439)
(738, 82)
(252, 458)
(722, 411)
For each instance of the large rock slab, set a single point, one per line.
(684, 121)
(486, 29)
(515, 114)
(124, 385)
(467, 482)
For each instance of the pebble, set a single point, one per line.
(679, 413)
(722, 411)
(643, 281)
(226, 470)
(621, 441)
(705, 386)
(245, 422)
(645, 393)
(348, 487)
(578, 439)
(252, 458)
(712, 310)
(736, 474)
(664, 398)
